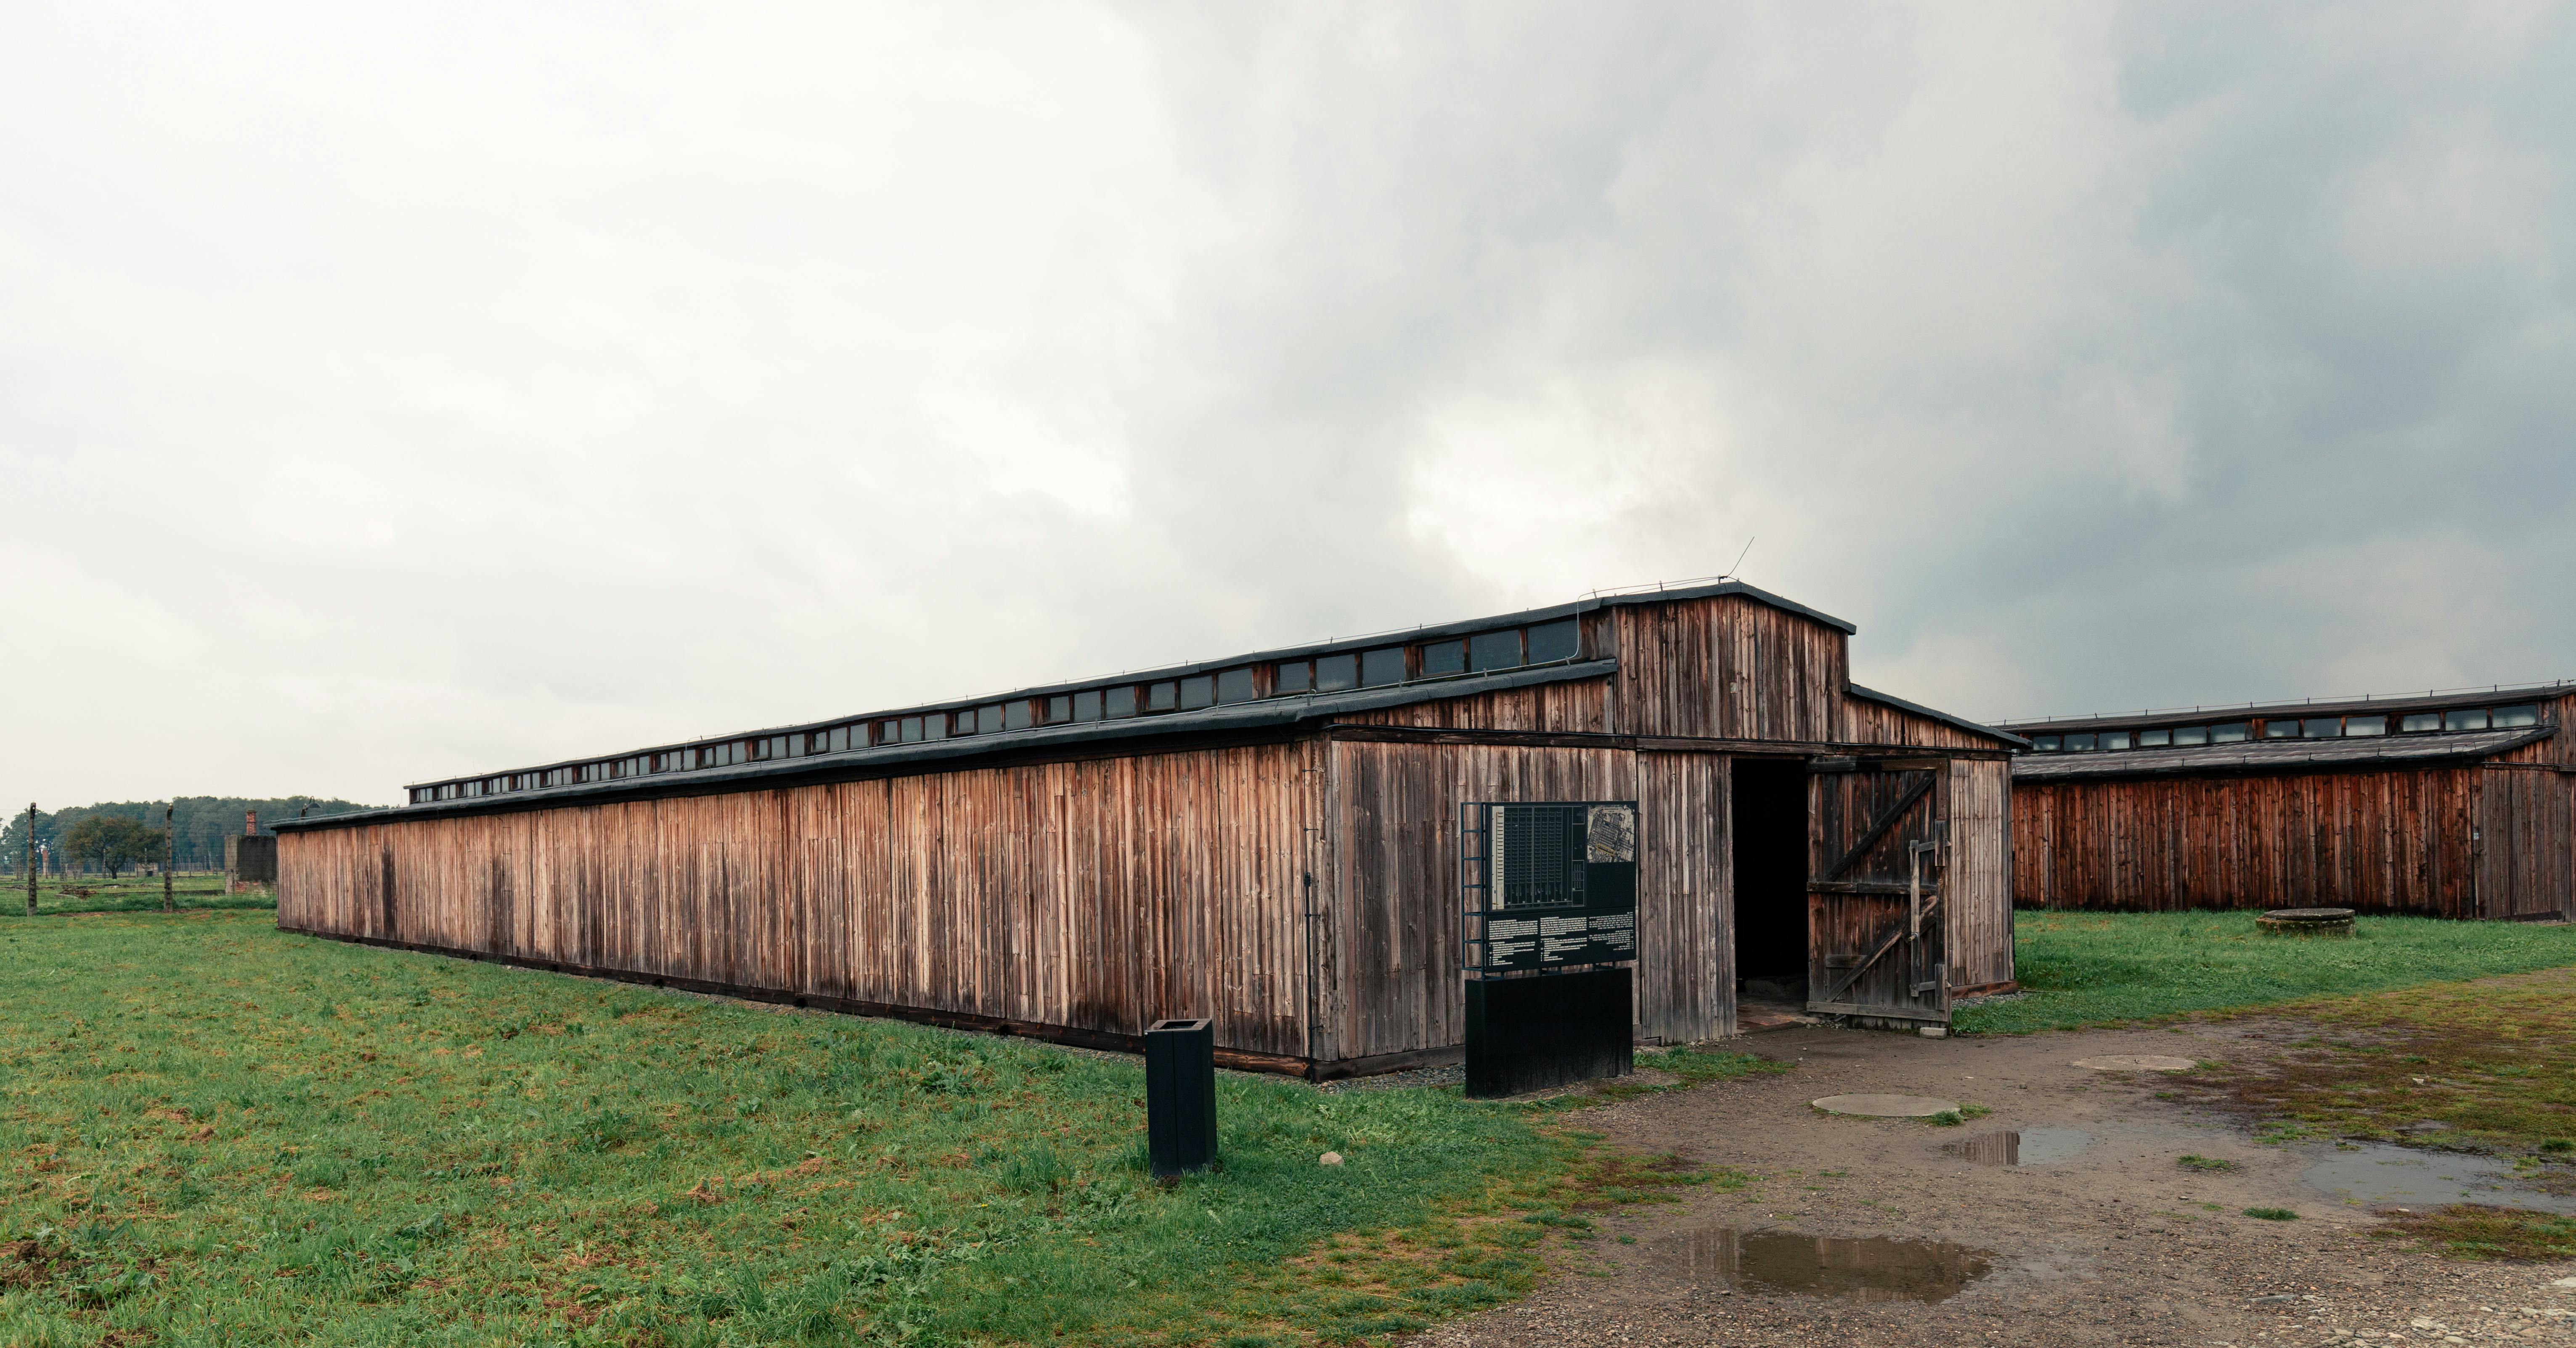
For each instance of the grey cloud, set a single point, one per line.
(480, 389)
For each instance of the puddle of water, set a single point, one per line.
(2382, 1175)
(1870, 1269)
(2024, 1146)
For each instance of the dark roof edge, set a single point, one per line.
(2080, 767)
(1956, 722)
(2476, 697)
(1269, 713)
(1588, 604)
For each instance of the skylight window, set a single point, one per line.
(1555, 641)
(1494, 650)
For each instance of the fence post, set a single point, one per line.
(31, 858)
(169, 854)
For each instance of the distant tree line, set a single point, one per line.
(199, 825)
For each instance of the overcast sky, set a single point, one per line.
(390, 396)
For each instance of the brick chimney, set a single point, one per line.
(250, 823)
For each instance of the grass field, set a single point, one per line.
(216, 1133)
(2080, 969)
(126, 894)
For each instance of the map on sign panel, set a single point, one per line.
(1550, 885)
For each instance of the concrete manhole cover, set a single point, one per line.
(2137, 1062)
(1885, 1106)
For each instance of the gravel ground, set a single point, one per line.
(2118, 1244)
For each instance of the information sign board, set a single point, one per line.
(1550, 885)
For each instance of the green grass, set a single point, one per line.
(2083, 969)
(217, 1133)
(2272, 1214)
(2471, 1231)
(125, 894)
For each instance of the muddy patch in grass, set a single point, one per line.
(2457, 1099)
(2491, 1064)
(2473, 1231)
(2380, 1175)
(25, 1264)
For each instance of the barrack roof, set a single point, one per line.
(2265, 756)
(1445, 687)
(2432, 700)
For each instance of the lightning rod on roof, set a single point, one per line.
(1733, 571)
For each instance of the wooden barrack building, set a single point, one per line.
(1272, 841)
(2453, 805)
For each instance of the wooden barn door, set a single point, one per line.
(1878, 836)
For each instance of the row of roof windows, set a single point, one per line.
(2291, 727)
(1482, 652)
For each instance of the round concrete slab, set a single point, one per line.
(1885, 1106)
(2137, 1062)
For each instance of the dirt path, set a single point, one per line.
(2116, 1244)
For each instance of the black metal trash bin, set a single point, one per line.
(1180, 1096)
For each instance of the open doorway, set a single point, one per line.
(1768, 824)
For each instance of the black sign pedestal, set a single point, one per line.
(1550, 922)
(1533, 1034)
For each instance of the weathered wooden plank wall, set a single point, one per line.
(1393, 877)
(1979, 877)
(1867, 722)
(1099, 895)
(2527, 825)
(1557, 708)
(1685, 976)
(2527, 842)
(1727, 668)
(2386, 841)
